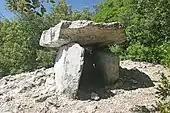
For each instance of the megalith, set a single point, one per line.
(78, 61)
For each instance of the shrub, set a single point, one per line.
(147, 25)
(19, 38)
(163, 94)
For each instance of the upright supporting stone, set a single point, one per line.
(108, 65)
(68, 69)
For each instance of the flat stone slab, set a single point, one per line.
(86, 33)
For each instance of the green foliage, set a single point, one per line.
(11, 47)
(165, 54)
(139, 52)
(19, 38)
(113, 10)
(28, 6)
(19, 45)
(146, 26)
(163, 94)
(45, 58)
(65, 12)
(82, 15)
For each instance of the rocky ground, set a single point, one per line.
(35, 92)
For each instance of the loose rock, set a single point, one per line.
(95, 96)
(123, 100)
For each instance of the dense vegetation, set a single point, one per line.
(146, 26)
(28, 6)
(163, 94)
(19, 38)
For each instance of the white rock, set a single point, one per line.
(68, 69)
(95, 96)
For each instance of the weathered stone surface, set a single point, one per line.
(108, 64)
(126, 96)
(86, 33)
(68, 69)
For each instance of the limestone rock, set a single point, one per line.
(84, 32)
(108, 64)
(122, 100)
(68, 69)
(95, 96)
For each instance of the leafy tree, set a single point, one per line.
(14, 51)
(114, 10)
(19, 38)
(19, 48)
(163, 94)
(62, 11)
(29, 6)
(146, 26)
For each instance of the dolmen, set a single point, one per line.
(81, 61)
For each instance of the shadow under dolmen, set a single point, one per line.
(93, 79)
(91, 73)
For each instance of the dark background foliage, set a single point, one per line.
(147, 26)
(19, 38)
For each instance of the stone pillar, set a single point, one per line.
(99, 68)
(108, 65)
(68, 69)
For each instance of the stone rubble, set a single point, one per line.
(22, 94)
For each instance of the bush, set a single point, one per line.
(19, 38)
(165, 48)
(163, 94)
(147, 25)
